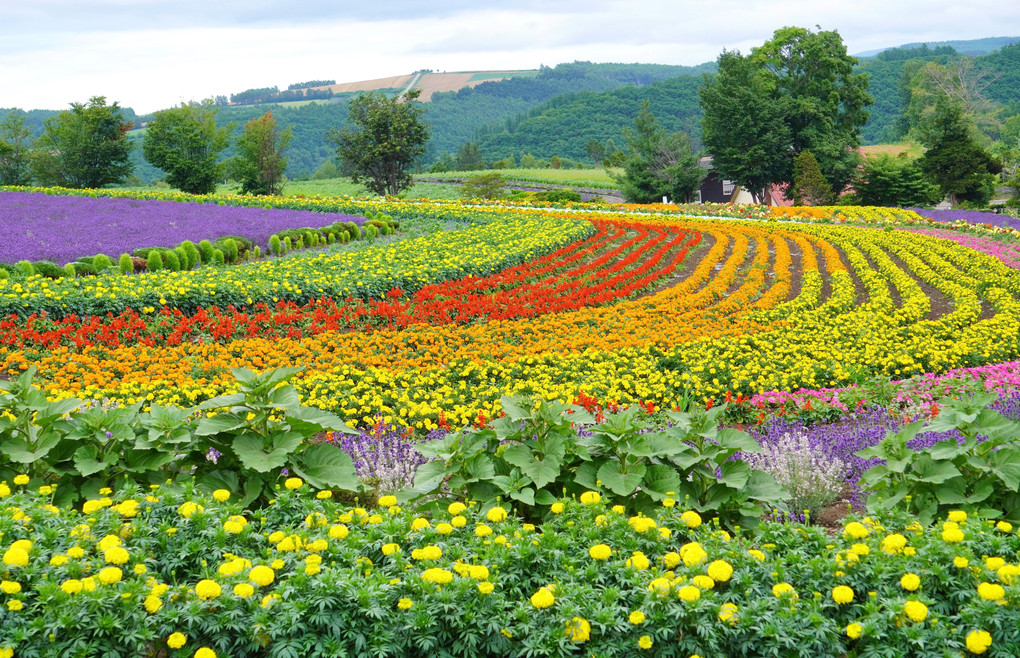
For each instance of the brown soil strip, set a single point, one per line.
(796, 270)
(894, 294)
(691, 261)
(941, 304)
(741, 273)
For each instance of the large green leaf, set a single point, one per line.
(514, 408)
(764, 487)
(285, 397)
(263, 455)
(734, 474)
(326, 466)
(732, 439)
(87, 461)
(927, 469)
(542, 471)
(320, 418)
(429, 476)
(19, 451)
(227, 401)
(222, 422)
(620, 483)
(660, 481)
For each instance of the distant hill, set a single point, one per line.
(968, 47)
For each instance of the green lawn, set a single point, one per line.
(577, 177)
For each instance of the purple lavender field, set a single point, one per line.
(63, 228)
(972, 216)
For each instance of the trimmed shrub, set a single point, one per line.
(102, 262)
(154, 261)
(25, 267)
(229, 249)
(330, 238)
(257, 252)
(193, 256)
(205, 249)
(353, 229)
(182, 258)
(48, 269)
(275, 246)
(287, 244)
(69, 270)
(218, 258)
(171, 262)
(125, 265)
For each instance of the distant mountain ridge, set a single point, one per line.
(964, 47)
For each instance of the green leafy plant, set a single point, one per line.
(979, 474)
(534, 453)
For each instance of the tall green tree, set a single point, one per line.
(744, 125)
(15, 147)
(185, 143)
(84, 147)
(469, 157)
(386, 136)
(809, 185)
(895, 181)
(659, 164)
(259, 163)
(962, 169)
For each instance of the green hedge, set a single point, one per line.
(122, 575)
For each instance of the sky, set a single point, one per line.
(153, 54)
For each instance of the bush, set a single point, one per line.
(483, 186)
(353, 229)
(229, 249)
(275, 246)
(125, 265)
(562, 196)
(69, 269)
(101, 262)
(171, 262)
(205, 250)
(218, 258)
(287, 244)
(183, 258)
(48, 269)
(192, 251)
(154, 262)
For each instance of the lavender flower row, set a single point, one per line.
(63, 228)
(972, 216)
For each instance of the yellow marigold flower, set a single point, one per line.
(641, 524)
(4, 490)
(893, 544)
(458, 521)
(915, 611)
(779, 589)
(720, 571)
(419, 523)
(953, 535)
(289, 543)
(312, 569)
(58, 560)
(957, 516)
(842, 594)
(110, 575)
(756, 554)
(1007, 573)
(693, 554)
(556, 508)
(10, 587)
(671, 559)
(232, 527)
(325, 494)
(261, 575)
(456, 508)
(128, 508)
(108, 542)
(387, 501)
(390, 549)
(665, 532)
(317, 546)
(860, 549)
(140, 569)
(639, 561)
(591, 498)
(152, 604)
(221, 495)
(855, 530)
(427, 553)
(691, 519)
(190, 508)
(405, 604)
(437, 576)
(15, 557)
(478, 571)
(600, 552)
(21, 479)
(543, 598)
(293, 483)
(910, 582)
(486, 587)
(961, 562)
(88, 584)
(619, 509)
(978, 641)
(176, 640)
(207, 589)
(645, 642)
(728, 612)
(636, 617)
(71, 586)
(1004, 526)
(483, 530)
(338, 531)
(278, 564)
(993, 563)
(8, 651)
(496, 514)
(909, 551)
(854, 631)
(444, 528)
(578, 630)
(205, 652)
(689, 593)
(116, 555)
(702, 581)
(14, 605)
(668, 502)
(991, 592)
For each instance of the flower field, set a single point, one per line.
(840, 335)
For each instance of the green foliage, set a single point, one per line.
(384, 138)
(48, 269)
(258, 431)
(154, 262)
(534, 453)
(125, 264)
(894, 181)
(744, 127)
(809, 186)
(217, 257)
(259, 164)
(229, 248)
(171, 261)
(192, 251)
(205, 249)
(69, 270)
(469, 157)
(15, 149)
(275, 246)
(101, 262)
(954, 161)
(484, 186)
(980, 474)
(84, 147)
(659, 164)
(185, 143)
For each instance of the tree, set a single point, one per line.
(744, 125)
(386, 136)
(469, 157)
(895, 181)
(796, 92)
(961, 168)
(15, 145)
(185, 143)
(659, 164)
(596, 150)
(809, 186)
(84, 147)
(259, 163)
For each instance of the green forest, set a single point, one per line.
(561, 109)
